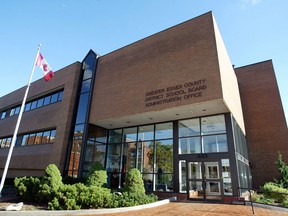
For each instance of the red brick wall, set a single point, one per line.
(264, 118)
(183, 53)
(33, 159)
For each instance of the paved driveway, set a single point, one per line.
(186, 208)
(179, 208)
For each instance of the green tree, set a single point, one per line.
(283, 170)
(163, 156)
(134, 182)
(97, 175)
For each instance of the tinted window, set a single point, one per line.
(12, 112)
(33, 105)
(52, 135)
(82, 108)
(54, 98)
(27, 107)
(86, 86)
(146, 132)
(115, 136)
(47, 100)
(189, 127)
(60, 97)
(25, 140)
(38, 138)
(17, 110)
(40, 102)
(31, 139)
(3, 115)
(130, 134)
(8, 142)
(164, 131)
(213, 125)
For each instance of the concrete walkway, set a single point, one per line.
(163, 208)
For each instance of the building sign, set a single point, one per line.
(241, 158)
(183, 91)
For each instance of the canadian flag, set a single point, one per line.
(42, 63)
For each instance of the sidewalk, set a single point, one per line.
(178, 208)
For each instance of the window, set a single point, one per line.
(2, 145)
(52, 136)
(60, 97)
(215, 143)
(226, 176)
(213, 125)
(202, 135)
(189, 145)
(40, 102)
(34, 105)
(12, 112)
(54, 98)
(82, 108)
(47, 100)
(148, 148)
(31, 139)
(25, 140)
(38, 137)
(17, 110)
(189, 127)
(27, 107)
(46, 137)
(130, 134)
(115, 136)
(164, 131)
(3, 115)
(146, 132)
(86, 86)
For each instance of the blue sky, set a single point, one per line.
(252, 30)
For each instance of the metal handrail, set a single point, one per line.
(250, 196)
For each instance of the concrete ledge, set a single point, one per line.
(87, 211)
(271, 207)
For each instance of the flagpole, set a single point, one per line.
(17, 125)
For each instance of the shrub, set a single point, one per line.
(65, 198)
(27, 188)
(276, 192)
(51, 183)
(53, 177)
(134, 182)
(131, 199)
(77, 196)
(98, 178)
(285, 203)
(260, 198)
(71, 180)
(97, 175)
(98, 197)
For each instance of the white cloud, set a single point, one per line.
(246, 3)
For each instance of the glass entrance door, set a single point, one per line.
(203, 180)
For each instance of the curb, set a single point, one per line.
(266, 206)
(87, 211)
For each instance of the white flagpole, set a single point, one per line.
(17, 125)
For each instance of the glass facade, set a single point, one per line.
(203, 135)
(79, 129)
(192, 156)
(149, 148)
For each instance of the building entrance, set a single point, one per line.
(204, 180)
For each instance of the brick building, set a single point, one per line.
(171, 105)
